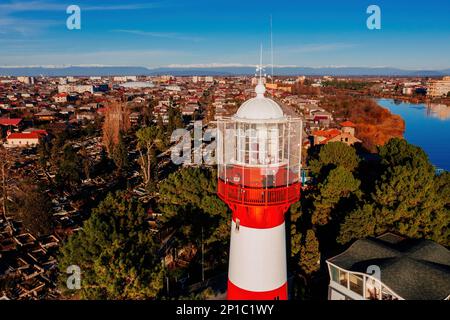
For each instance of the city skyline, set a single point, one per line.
(206, 34)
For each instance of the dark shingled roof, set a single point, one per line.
(414, 269)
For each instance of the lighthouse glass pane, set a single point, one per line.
(253, 145)
(226, 146)
(293, 147)
(241, 143)
(263, 145)
(220, 154)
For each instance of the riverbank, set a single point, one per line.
(374, 125)
(414, 99)
(386, 127)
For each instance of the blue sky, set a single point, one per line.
(413, 35)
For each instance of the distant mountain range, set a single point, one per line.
(214, 71)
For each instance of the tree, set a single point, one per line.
(189, 203)
(194, 187)
(34, 208)
(148, 114)
(69, 168)
(116, 252)
(86, 162)
(332, 155)
(408, 198)
(296, 236)
(174, 117)
(44, 152)
(149, 140)
(338, 186)
(358, 224)
(120, 154)
(5, 162)
(310, 254)
(117, 120)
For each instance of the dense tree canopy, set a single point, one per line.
(189, 203)
(116, 253)
(69, 168)
(333, 155)
(408, 198)
(310, 254)
(34, 208)
(339, 185)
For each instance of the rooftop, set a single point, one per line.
(414, 269)
(10, 122)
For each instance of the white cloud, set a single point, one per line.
(25, 6)
(12, 26)
(167, 35)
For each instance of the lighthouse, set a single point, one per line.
(259, 160)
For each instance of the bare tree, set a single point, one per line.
(5, 165)
(117, 120)
(148, 142)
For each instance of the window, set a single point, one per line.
(343, 278)
(334, 273)
(356, 284)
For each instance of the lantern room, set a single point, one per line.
(259, 153)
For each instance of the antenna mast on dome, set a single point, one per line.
(271, 52)
(260, 67)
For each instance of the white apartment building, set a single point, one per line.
(67, 88)
(438, 88)
(26, 80)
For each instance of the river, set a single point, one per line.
(427, 126)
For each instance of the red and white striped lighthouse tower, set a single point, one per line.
(258, 153)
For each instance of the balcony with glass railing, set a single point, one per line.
(359, 285)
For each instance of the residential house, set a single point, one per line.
(390, 267)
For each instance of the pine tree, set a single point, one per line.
(333, 155)
(338, 186)
(116, 252)
(120, 154)
(408, 198)
(310, 254)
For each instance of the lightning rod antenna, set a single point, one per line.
(271, 51)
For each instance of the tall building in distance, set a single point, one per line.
(259, 152)
(26, 80)
(438, 88)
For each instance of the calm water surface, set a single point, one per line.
(427, 127)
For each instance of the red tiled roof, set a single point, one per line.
(347, 124)
(10, 122)
(326, 133)
(31, 135)
(40, 131)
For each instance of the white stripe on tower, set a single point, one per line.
(258, 258)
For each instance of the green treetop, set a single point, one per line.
(116, 253)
